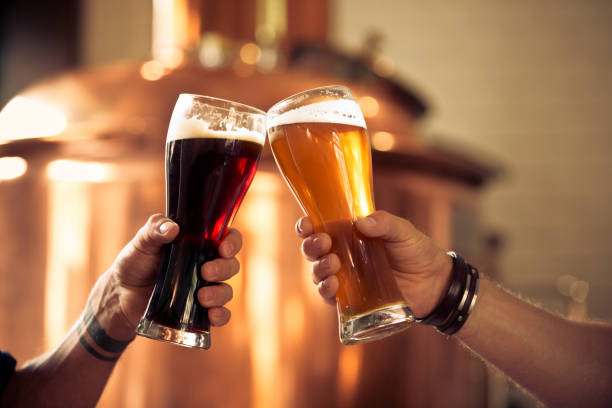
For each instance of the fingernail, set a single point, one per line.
(165, 227)
(298, 226)
(316, 241)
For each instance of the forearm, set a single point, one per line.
(76, 371)
(563, 363)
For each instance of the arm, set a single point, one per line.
(75, 372)
(563, 363)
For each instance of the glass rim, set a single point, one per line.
(244, 108)
(284, 101)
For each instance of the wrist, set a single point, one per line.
(435, 287)
(105, 305)
(451, 314)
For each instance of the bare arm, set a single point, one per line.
(75, 372)
(562, 363)
(70, 375)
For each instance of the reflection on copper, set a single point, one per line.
(175, 27)
(68, 249)
(239, 336)
(78, 171)
(262, 289)
(243, 70)
(250, 53)
(12, 167)
(383, 141)
(369, 106)
(293, 311)
(211, 50)
(348, 373)
(24, 118)
(152, 70)
(270, 21)
(172, 59)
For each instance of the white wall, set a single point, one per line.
(115, 30)
(529, 82)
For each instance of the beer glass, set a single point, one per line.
(212, 150)
(321, 146)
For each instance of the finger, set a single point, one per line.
(158, 231)
(231, 244)
(220, 269)
(328, 288)
(325, 267)
(215, 295)
(304, 227)
(390, 228)
(219, 316)
(316, 245)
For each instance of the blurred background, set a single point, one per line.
(489, 122)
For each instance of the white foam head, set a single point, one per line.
(192, 128)
(341, 111)
(201, 117)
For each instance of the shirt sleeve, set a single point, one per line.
(7, 368)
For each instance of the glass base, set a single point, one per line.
(183, 338)
(375, 325)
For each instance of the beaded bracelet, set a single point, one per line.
(454, 309)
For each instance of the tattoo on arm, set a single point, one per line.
(96, 341)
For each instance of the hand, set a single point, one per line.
(131, 278)
(421, 268)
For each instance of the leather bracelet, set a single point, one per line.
(447, 306)
(452, 312)
(465, 307)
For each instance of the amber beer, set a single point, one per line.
(212, 150)
(321, 145)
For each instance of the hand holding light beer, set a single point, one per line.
(212, 150)
(321, 146)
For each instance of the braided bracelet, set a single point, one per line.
(454, 309)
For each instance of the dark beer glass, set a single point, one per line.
(321, 146)
(212, 150)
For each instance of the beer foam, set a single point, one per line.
(342, 111)
(193, 128)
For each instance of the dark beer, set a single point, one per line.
(212, 150)
(207, 180)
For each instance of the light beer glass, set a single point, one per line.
(212, 150)
(321, 146)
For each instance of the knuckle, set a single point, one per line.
(154, 219)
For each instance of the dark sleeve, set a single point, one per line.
(7, 368)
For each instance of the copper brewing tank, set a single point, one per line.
(281, 347)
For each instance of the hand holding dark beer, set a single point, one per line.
(136, 268)
(421, 268)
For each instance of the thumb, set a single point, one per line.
(158, 231)
(137, 262)
(390, 228)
